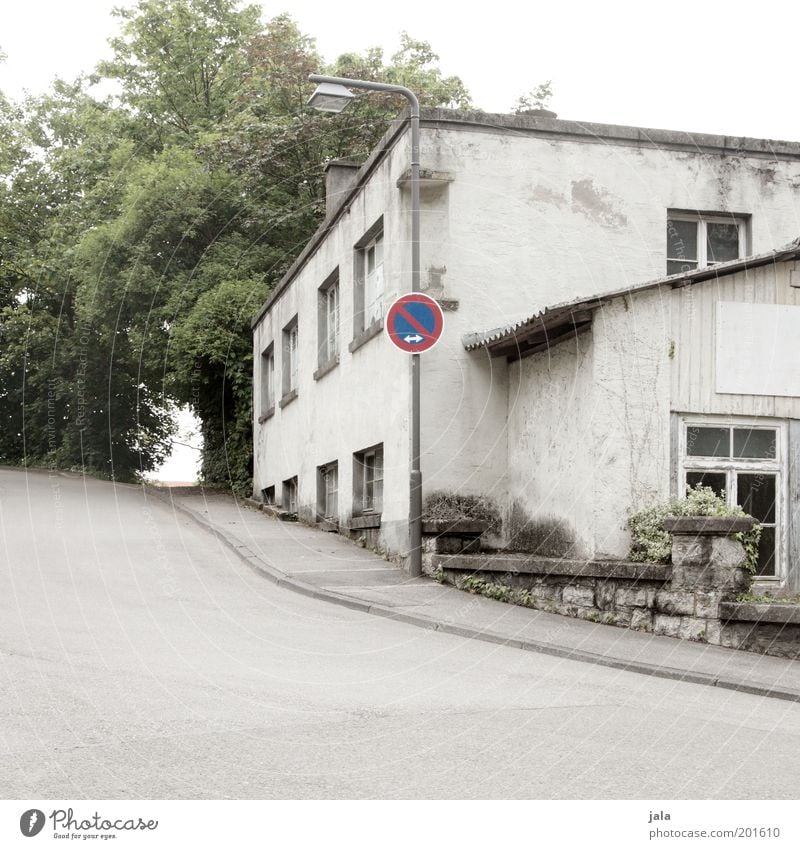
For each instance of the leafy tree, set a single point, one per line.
(139, 233)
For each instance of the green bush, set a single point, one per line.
(650, 543)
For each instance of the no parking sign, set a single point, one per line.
(414, 323)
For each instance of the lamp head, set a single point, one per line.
(330, 97)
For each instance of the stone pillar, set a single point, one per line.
(707, 569)
(706, 557)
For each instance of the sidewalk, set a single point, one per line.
(328, 567)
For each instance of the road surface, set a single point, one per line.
(140, 659)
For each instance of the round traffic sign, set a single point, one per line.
(414, 323)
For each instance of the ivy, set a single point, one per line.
(651, 543)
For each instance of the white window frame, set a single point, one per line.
(702, 221)
(289, 495)
(731, 467)
(331, 296)
(369, 480)
(373, 280)
(290, 355)
(328, 491)
(268, 380)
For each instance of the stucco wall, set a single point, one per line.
(541, 218)
(550, 454)
(517, 220)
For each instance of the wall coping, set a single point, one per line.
(454, 526)
(785, 614)
(527, 565)
(708, 525)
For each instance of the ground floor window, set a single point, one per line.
(368, 480)
(328, 491)
(743, 461)
(290, 495)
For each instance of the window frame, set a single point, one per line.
(364, 504)
(328, 321)
(268, 381)
(328, 494)
(291, 351)
(289, 495)
(364, 319)
(702, 220)
(733, 466)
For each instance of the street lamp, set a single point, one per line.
(332, 95)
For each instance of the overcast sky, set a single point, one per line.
(713, 67)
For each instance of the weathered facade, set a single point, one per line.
(561, 435)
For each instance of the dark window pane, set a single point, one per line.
(681, 240)
(766, 553)
(708, 441)
(715, 480)
(754, 443)
(680, 266)
(722, 242)
(756, 495)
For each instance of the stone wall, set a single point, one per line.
(693, 598)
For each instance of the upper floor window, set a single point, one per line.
(373, 281)
(368, 290)
(290, 357)
(697, 241)
(268, 380)
(328, 320)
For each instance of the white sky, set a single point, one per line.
(703, 66)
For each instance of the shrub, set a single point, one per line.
(650, 543)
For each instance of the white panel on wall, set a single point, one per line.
(758, 349)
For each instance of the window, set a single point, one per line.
(373, 281)
(268, 495)
(290, 357)
(368, 290)
(743, 464)
(697, 241)
(368, 480)
(289, 497)
(268, 381)
(328, 491)
(328, 324)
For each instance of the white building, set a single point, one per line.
(579, 414)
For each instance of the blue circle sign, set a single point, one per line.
(414, 323)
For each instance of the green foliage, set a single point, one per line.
(499, 592)
(139, 234)
(650, 543)
(537, 98)
(452, 506)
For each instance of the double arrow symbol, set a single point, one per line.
(416, 338)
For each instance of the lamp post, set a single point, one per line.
(333, 95)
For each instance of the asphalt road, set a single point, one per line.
(139, 658)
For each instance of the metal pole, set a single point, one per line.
(415, 476)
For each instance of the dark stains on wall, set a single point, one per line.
(546, 536)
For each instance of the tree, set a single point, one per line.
(141, 232)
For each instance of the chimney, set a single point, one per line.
(340, 177)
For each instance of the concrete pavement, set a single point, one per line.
(141, 658)
(326, 566)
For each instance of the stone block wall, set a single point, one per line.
(693, 598)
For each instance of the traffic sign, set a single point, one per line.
(414, 323)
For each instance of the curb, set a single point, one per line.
(281, 579)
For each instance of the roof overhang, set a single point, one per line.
(560, 322)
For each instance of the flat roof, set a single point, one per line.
(537, 126)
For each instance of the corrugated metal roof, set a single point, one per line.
(563, 313)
